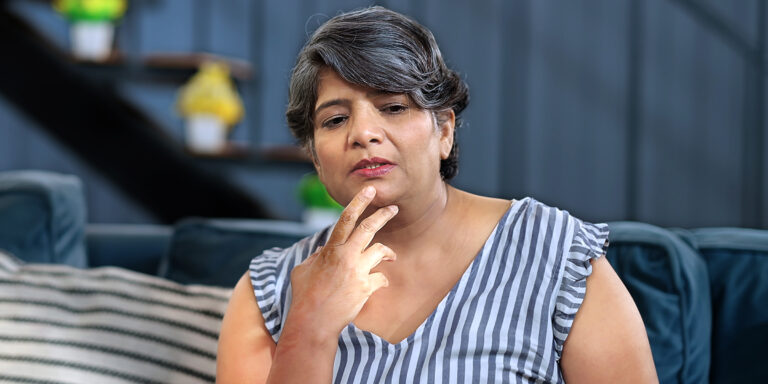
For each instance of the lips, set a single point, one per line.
(373, 167)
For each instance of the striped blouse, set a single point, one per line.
(504, 321)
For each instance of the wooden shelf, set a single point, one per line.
(276, 156)
(239, 69)
(162, 67)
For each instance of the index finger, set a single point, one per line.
(350, 214)
(367, 229)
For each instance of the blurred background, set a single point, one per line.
(647, 110)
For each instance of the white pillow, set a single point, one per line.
(60, 324)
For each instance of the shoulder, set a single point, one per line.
(567, 246)
(592, 308)
(579, 236)
(274, 260)
(607, 341)
(539, 222)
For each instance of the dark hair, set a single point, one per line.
(383, 50)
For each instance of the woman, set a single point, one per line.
(419, 281)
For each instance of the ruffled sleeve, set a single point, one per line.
(270, 277)
(590, 241)
(266, 281)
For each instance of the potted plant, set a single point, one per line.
(93, 25)
(320, 209)
(211, 106)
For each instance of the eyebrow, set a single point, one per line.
(333, 102)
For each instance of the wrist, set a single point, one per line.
(306, 332)
(301, 346)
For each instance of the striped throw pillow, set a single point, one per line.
(60, 324)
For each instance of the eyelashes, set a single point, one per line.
(389, 109)
(334, 121)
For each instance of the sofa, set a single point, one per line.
(125, 303)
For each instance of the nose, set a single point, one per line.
(364, 130)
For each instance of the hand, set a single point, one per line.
(331, 286)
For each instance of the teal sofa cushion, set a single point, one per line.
(738, 269)
(219, 251)
(138, 247)
(669, 283)
(42, 217)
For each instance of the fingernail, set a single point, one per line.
(369, 191)
(394, 209)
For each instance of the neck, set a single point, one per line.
(417, 219)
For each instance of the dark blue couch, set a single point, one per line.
(703, 293)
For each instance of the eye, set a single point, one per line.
(334, 121)
(395, 109)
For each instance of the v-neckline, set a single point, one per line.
(351, 327)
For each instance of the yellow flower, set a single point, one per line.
(211, 91)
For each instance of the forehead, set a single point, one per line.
(330, 84)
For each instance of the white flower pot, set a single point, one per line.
(206, 133)
(92, 40)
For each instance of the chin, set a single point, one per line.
(379, 202)
(383, 199)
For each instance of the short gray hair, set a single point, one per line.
(380, 49)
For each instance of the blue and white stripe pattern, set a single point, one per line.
(504, 321)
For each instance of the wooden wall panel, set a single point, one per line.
(166, 26)
(554, 85)
(469, 37)
(739, 15)
(283, 36)
(691, 129)
(577, 107)
(231, 27)
(764, 110)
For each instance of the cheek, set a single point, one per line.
(326, 163)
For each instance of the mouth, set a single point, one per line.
(373, 167)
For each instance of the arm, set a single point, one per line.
(607, 342)
(329, 289)
(245, 345)
(248, 354)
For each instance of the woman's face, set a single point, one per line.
(367, 137)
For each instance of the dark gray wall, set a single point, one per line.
(650, 110)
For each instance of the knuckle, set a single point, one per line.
(361, 198)
(383, 249)
(379, 248)
(346, 217)
(367, 226)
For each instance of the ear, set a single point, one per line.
(446, 123)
